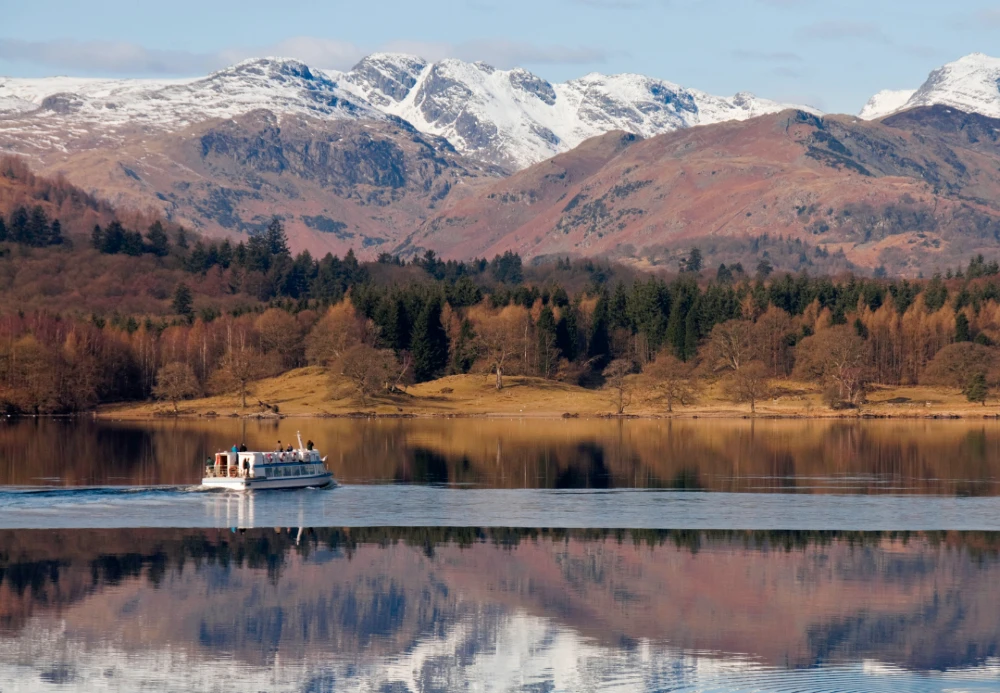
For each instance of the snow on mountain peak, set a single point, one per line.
(970, 84)
(510, 117)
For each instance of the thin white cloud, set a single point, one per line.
(99, 57)
(844, 30)
(105, 56)
(767, 56)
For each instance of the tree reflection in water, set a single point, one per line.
(872, 457)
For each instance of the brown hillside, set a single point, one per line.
(913, 192)
(337, 184)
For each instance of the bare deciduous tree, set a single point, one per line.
(369, 370)
(749, 384)
(500, 341)
(616, 374)
(732, 344)
(336, 333)
(176, 381)
(673, 378)
(241, 364)
(838, 357)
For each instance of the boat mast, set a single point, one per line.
(299, 436)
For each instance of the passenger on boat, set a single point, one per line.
(309, 445)
(234, 448)
(243, 447)
(289, 449)
(279, 448)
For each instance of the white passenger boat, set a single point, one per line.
(300, 468)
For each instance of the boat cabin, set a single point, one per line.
(266, 465)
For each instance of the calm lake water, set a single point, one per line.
(722, 556)
(428, 609)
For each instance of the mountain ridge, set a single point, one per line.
(511, 118)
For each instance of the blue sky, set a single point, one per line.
(832, 54)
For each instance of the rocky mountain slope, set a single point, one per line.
(970, 84)
(507, 117)
(338, 183)
(515, 118)
(914, 192)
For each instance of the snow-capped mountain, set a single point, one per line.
(515, 118)
(509, 117)
(279, 85)
(970, 84)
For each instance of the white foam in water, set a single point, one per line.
(420, 506)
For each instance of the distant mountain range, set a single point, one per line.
(400, 154)
(508, 117)
(970, 84)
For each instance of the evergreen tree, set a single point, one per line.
(132, 243)
(18, 226)
(548, 352)
(55, 233)
(977, 390)
(37, 229)
(156, 237)
(464, 349)
(618, 314)
(567, 330)
(691, 332)
(962, 328)
(429, 342)
(598, 341)
(693, 262)
(936, 293)
(113, 238)
(182, 238)
(196, 259)
(3, 230)
(97, 237)
(275, 238)
(183, 301)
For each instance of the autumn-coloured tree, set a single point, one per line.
(838, 357)
(733, 345)
(671, 377)
(500, 338)
(176, 381)
(340, 329)
(955, 364)
(749, 384)
(369, 370)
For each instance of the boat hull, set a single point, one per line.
(264, 484)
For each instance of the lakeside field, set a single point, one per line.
(314, 391)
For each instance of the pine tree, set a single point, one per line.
(962, 333)
(55, 233)
(37, 231)
(3, 230)
(977, 390)
(18, 226)
(548, 353)
(182, 238)
(156, 237)
(277, 241)
(183, 301)
(429, 342)
(132, 243)
(97, 237)
(567, 330)
(598, 342)
(464, 349)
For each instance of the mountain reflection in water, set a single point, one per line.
(952, 458)
(499, 609)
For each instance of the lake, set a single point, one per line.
(505, 555)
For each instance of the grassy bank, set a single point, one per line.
(314, 392)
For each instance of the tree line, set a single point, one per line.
(383, 325)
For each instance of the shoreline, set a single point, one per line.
(314, 393)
